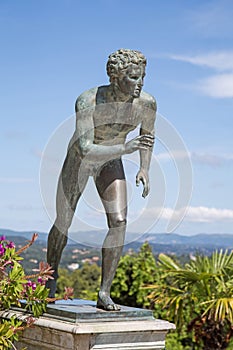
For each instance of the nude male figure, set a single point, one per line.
(104, 117)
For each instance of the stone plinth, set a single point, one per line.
(78, 325)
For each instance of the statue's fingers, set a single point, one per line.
(137, 180)
(141, 146)
(148, 137)
(147, 144)
(145, 190)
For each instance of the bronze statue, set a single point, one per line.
(104, 117)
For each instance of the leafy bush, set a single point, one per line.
(133, 272)
(85, 281)
(19, 289)
(198, 297)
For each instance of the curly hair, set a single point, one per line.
(121, 59)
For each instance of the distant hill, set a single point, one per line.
(184, 245)
(95, 238)
(26, 234)
(202, 239)
(79, 252)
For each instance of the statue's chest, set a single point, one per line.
(111, 132)
(121, 117)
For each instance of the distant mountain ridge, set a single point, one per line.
(171, 239)
(201, 239)
(26, 234)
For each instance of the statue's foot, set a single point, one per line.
(105, 302)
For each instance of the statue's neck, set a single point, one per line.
(119, 96)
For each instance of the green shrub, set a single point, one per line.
(16, 288)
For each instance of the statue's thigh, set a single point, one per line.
(72, 182)
(111, 186)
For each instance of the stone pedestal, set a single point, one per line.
(79, 325)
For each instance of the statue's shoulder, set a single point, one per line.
(86, 99)
(148, 101)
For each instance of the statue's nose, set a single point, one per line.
(140, 82)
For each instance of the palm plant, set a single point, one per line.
(200, 295)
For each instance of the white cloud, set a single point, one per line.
(211, 159)
(205, 158)
(219, 86)
(221, 61)
(193, 214)
(205, 214)
(173, 155)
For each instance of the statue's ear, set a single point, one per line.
(113, 79)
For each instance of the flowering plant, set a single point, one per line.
(17, 288)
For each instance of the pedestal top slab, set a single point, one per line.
(79, 310)
(96, 326)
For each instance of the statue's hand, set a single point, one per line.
(142, 142)
(142, 176)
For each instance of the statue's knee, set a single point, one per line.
(117, 222)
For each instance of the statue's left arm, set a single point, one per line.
(147, 128)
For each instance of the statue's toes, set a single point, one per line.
(112, 307)
(116, 307)
(105, 302)
(108, 306)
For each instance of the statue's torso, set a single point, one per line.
(112, 120)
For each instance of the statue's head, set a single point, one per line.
(126, 68)
(120, 60)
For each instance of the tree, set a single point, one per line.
(199, 295)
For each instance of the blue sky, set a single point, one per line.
(51, 51)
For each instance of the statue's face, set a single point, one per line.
(131, 80)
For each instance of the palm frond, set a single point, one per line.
(220, 309)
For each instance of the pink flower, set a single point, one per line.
(40, 280)
(2, 250)
(31, 284)
(10, 245)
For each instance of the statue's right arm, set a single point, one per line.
(85, 107)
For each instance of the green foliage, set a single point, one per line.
(199, 295)
(9, 333)
(133, 273)
(84, 281)
(16, 286)
(178, 341)
(196, 295)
